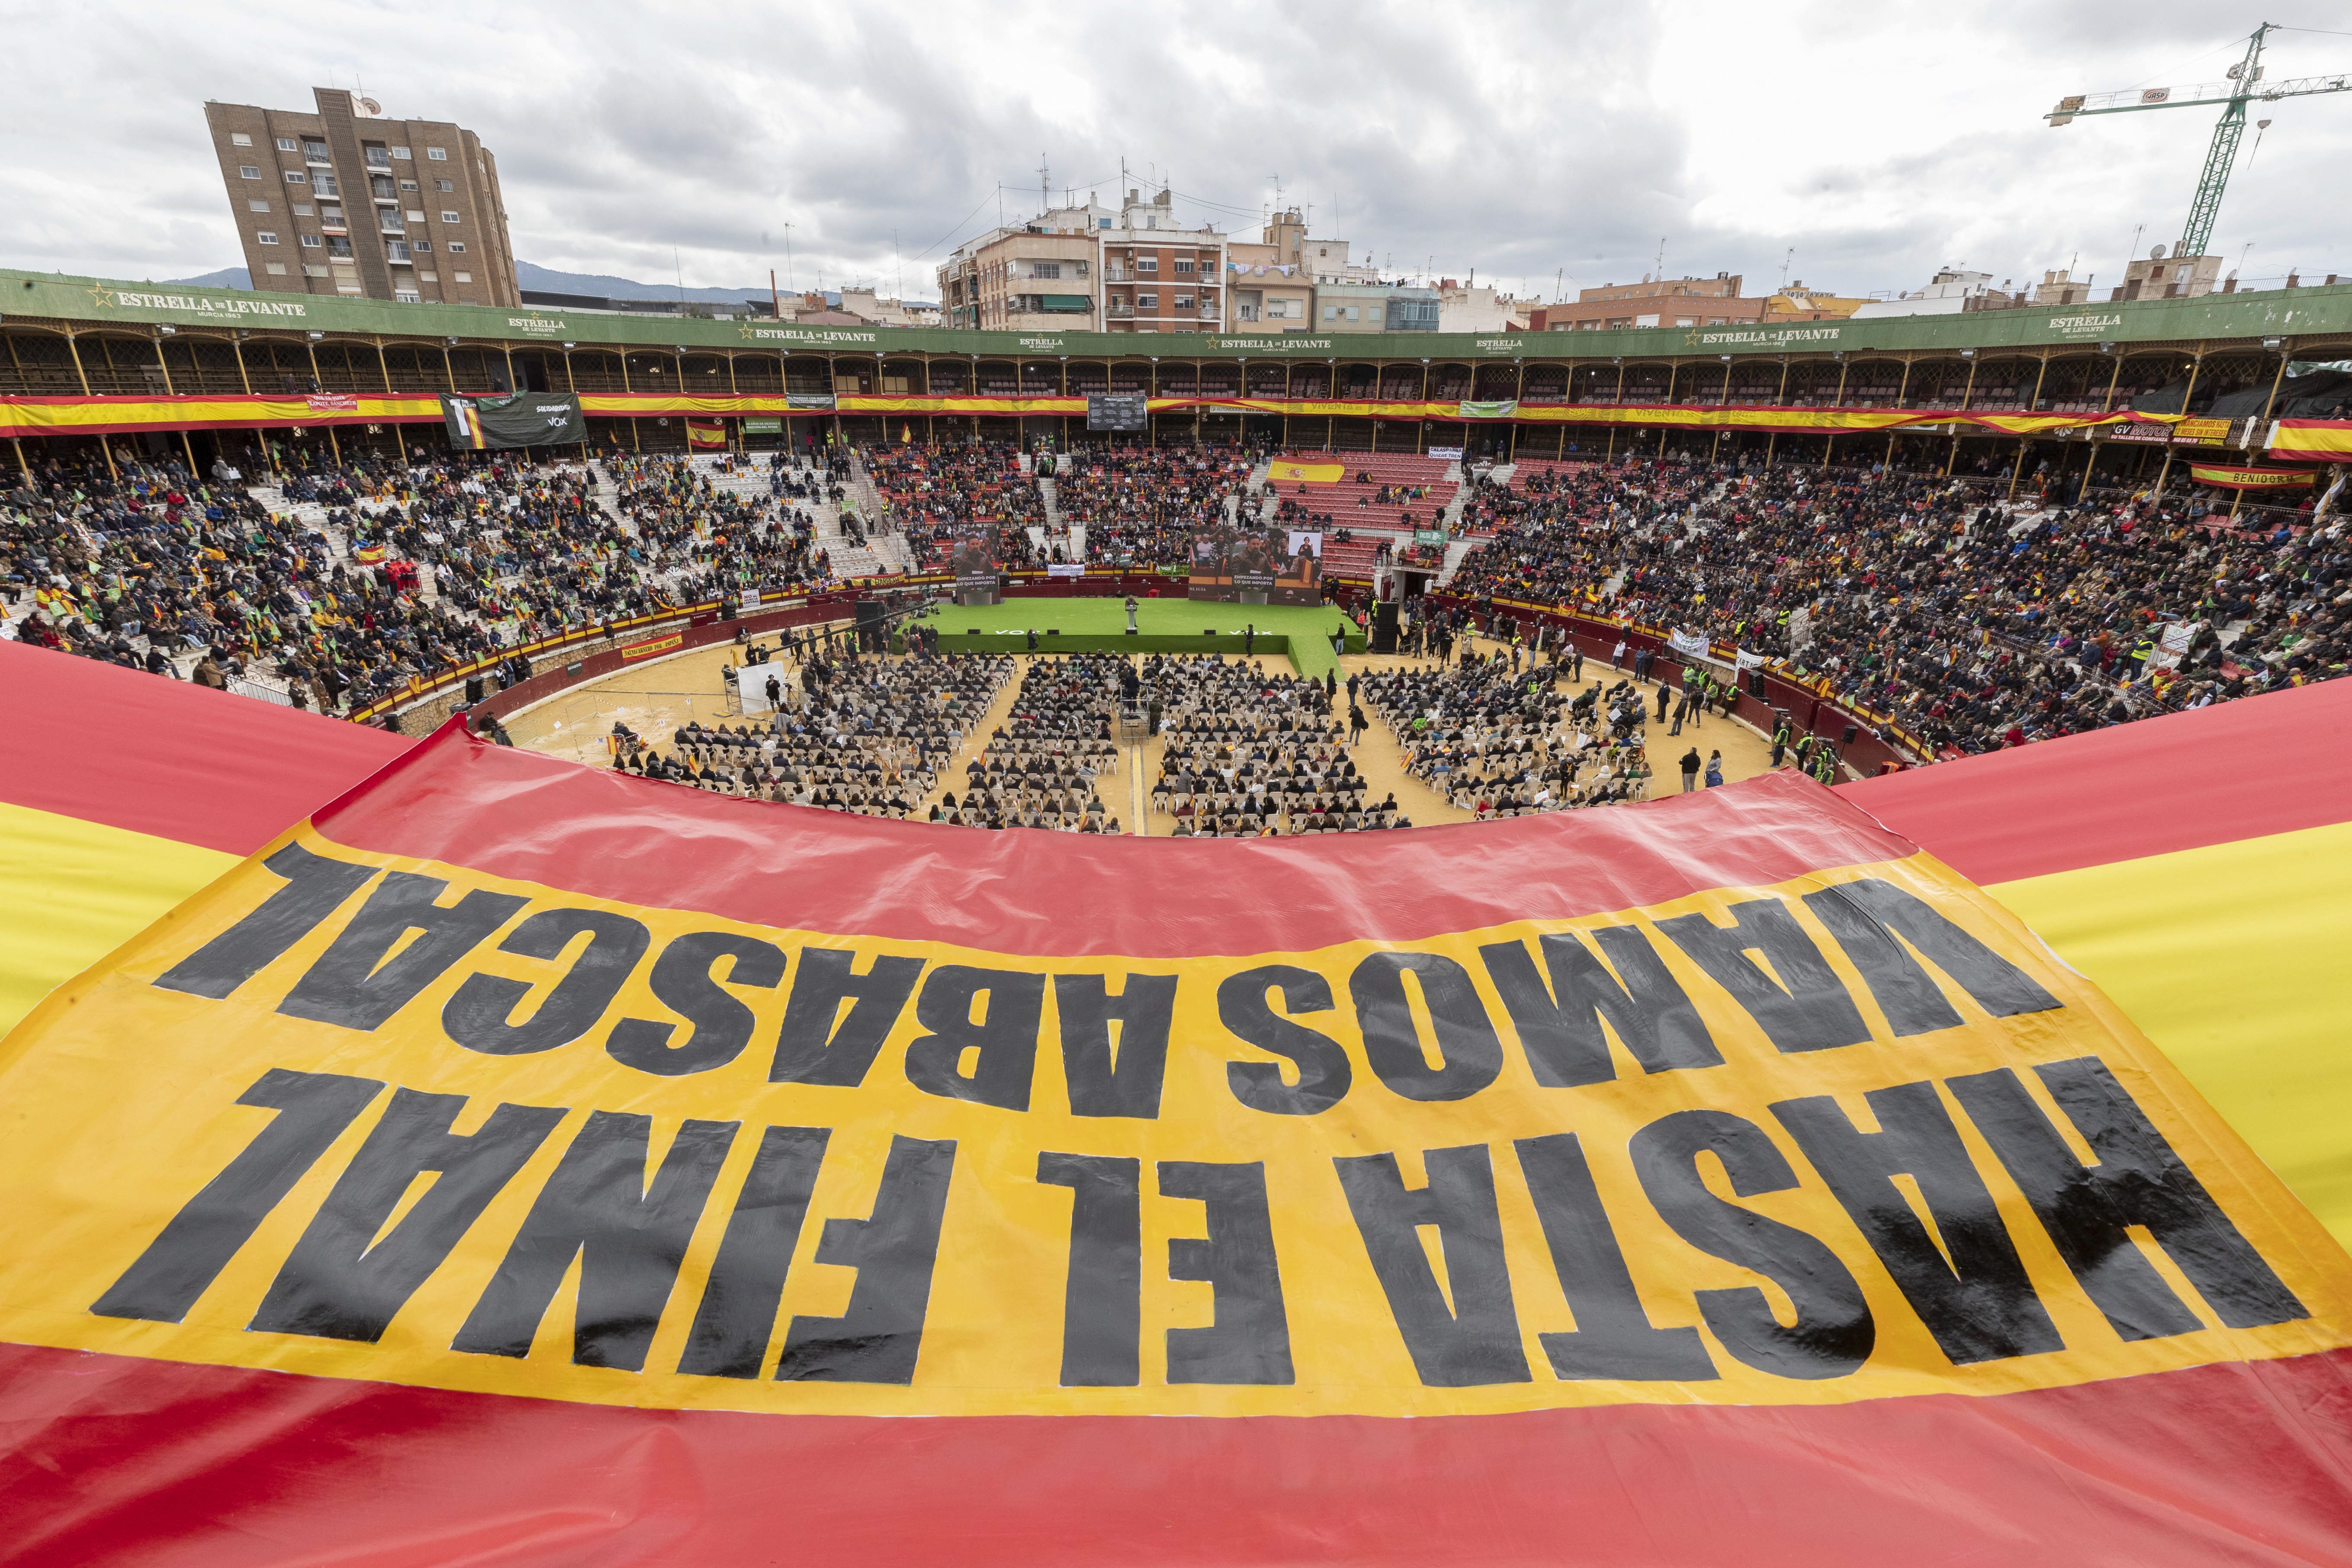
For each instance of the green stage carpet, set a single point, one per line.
(1164, 626)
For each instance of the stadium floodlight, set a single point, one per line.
(316, 336)
(2106, 348)
(572, 345)
(453, 342)
(2273, 343)
(164, 330)
(1724, 358)
(1968, 353)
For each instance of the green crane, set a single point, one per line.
(2243, 87)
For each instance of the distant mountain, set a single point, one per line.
(226, 277)
(547, 279)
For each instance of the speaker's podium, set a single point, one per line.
(1384, 627)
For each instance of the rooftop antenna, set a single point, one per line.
(1792, 256)
(791, 281)
(1662, 258)
(1044, 187)
(679, 266)
(897, 267)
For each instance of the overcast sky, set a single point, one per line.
(1555, 139)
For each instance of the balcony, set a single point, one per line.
(1117, 312)
(1117, 275)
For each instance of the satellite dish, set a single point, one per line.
(372, 106)
(2156, 253)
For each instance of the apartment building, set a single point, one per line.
(1653, 303)
(1263, 293)
(1375, 307)
(1316, 261)
(1480, 308)
(1039, 276)
(344, 200)
(1157, 276)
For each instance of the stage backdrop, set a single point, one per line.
(1726, 1175)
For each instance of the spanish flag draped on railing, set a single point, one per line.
(625, 1174)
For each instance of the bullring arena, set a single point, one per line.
(1638, 955)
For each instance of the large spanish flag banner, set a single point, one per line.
(512, 1162)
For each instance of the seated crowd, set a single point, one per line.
(1038, 768)
(1488, 734)
(1249, 754)
(1142, 505)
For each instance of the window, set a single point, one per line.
(301, 209)
(297, 177)
(311, 242)
(316, 151)
(331, 214)
(338, 245)
(408, 184)
(425, 244)
(248, 172)
(395, 250)
(311, 271)
(1149, 263)
(1081, 270)
(287, 144)
(1037, 269)
(442, 185)
(256, 206)
(458, 246)
(415, 216)
(448, 216)
(463, 277)
(1102, 223)
(275, 269)
(401, 153)
(388, 221)
(407, 297)
(1183, 264)
(1351, 312)
(377, 158)
(1183, 301)
(239, 139)
(1330, 312)
(325, 184)
(437, 154)
(265, 237)
(428, 278)
(1146, 301)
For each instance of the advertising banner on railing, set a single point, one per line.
(517, 419)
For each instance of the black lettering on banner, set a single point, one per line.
(1324, 1072)
(877, 1339)
(1126, 1083)
(315, 888)
(1475, 1339)
(188, 1254)
(683, 982)
(1979, 1303)
(1469, 1052)
(1833, 1332)
(1800, 1003)
(335, 1284)
(2138, 1181)
(1002, 1042)
(1102, 1303)
(1248, 1337)
(820, 1044)
(480, 1016)
(1867, 916)
(630, 1240)
(359, 982)
(1563, 1038)
(738, 1314)
(1613, 1337)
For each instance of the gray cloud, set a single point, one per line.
(1523, 139)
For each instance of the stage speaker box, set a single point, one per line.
(1848, 738)
(1384, 627)
(473, 689)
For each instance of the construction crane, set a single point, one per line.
(2243, 87)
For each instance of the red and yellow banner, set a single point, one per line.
(26, 416)
(706, 434)
(2313, 440)
(1291, 470)
(591, 1148)
(2232, 476)
(652, 645)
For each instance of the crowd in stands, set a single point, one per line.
(1248, 752)
(1488, 734)
(1972, 621)
(1038, 767)
(1142, 505)
(1969, 619)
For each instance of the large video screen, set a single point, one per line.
(1117, 411)
(1284, 564)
